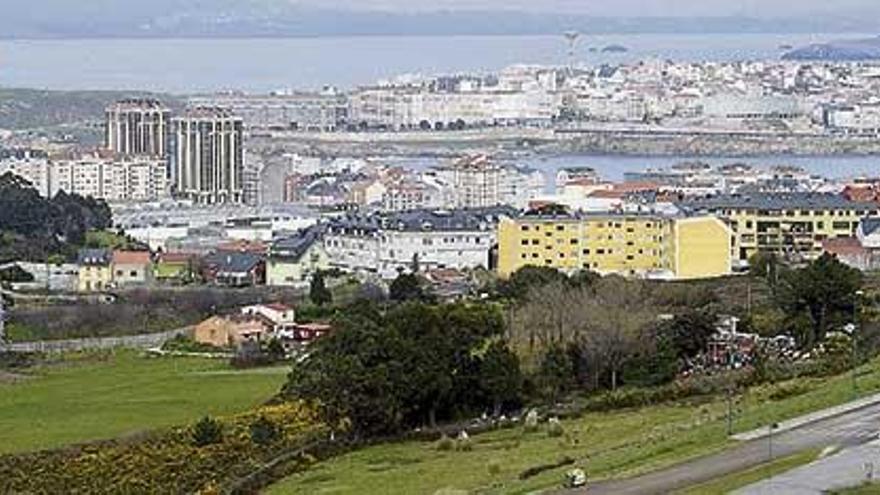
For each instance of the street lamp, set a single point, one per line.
(852, 329)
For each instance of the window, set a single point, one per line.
(574, 241)
(524, 228)
(535, 242)
(600, 251)
(586, 251)
(560, 228)
(748, 224)
(524, 242)
(133, 273)
(840, 225)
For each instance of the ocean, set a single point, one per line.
(260, 65)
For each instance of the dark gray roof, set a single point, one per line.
(870, 225)
(233, 261)
(94, 257)
(425, 220)
(775, 201)
(295, 246)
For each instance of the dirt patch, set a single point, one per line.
(7, 377)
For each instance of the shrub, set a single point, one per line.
(554, 428)
(530, 423)
(787, 390)
(445, 444)
(493, 467)
(536, 470)
(264, 431)
(207, 431)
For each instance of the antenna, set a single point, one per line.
(571, 37)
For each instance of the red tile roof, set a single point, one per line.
(131, 257)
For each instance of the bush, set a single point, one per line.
(493, 467)
(530, 423)
(787, 390)
(208, 431)
(536, 470)
(554, 428)
(445, 444)
(264, 431)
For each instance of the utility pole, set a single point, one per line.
(2, 321)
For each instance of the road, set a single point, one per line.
(848, 468)
(847, 430)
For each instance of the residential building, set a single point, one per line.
(131, 269)
(113, 178)
(95, 271)
(294, 260)
(792, 225)
(234, 269)
(208, 165)
(389, 243)
(279, 316)
(324, 111)
(231, 331)
(138, 127)
(629, 244)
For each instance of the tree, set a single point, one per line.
(556, 374)
(527, 278)
(824, 291)
(500, 375)
(415, 364)
(207, 431)
(318, 292)
(407, 287)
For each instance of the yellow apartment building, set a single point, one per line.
(95, 270)
(630, 244)
(792, 225)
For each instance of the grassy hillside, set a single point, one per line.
(604, 444)
(99, 396)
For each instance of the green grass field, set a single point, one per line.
(604, 444)
(98, 396)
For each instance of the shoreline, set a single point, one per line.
(548, 142)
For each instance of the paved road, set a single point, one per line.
(844, 431)
(844, 469)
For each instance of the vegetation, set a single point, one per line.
(613, 443)
(414, 365)
(318, 292)
(82, 397)
(197, 459)
(32, 228)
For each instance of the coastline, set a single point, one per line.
(515, 141)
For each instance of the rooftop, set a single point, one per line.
(775, 201)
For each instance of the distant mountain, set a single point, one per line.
(846, 50)
(272, 18)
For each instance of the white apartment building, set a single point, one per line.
(479, 182)
(115, 179)
(386, 245)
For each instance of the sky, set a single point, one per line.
(756, 8)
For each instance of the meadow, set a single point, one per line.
(93, 396)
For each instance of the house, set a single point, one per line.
(305, 333)
(278, 316)
(234, 269)
(449, 284)
(174, 267)
(131, 268)
(95, 273)
(230, 331)
(849, 251)
(293, 260)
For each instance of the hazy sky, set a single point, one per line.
(624, 7)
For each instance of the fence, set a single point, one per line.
(144, 341)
